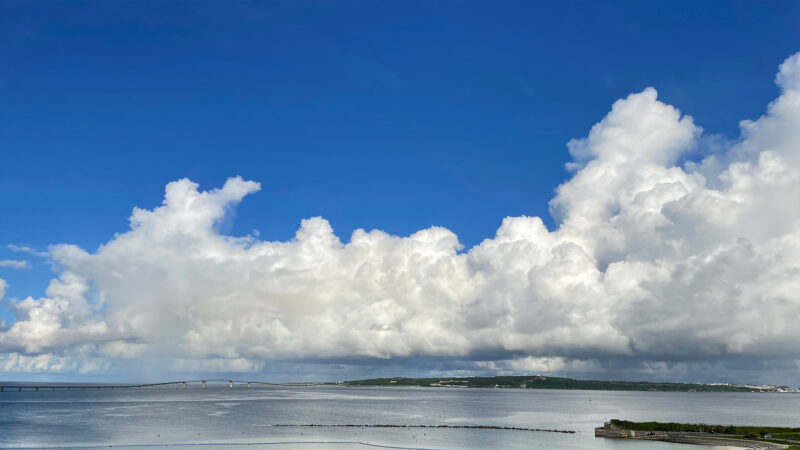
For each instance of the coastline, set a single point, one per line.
(704, 434)
(548, 382)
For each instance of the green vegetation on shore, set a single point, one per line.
(783, 435)
(543, 382)
(785, 432)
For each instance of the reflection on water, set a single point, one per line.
(222, 417)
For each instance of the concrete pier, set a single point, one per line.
(609, 430)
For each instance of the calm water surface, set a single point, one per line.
(222, 417)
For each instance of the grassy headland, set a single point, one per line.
(781, 435)
(777, 432)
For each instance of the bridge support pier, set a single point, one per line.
(230, 384)
(248, 384)
(204, 384)
(37, 388)
(184, 385)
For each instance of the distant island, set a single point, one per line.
(545, 382)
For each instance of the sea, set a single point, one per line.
(257, 417)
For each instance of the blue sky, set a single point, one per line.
(379, 115)
(395, 116)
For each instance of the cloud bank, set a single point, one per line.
(658, 260)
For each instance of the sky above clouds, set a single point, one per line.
(600, 229)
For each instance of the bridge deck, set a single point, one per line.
(184, 384)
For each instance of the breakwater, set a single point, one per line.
(458, 427)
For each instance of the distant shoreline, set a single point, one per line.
(496, 382)
(546, 382)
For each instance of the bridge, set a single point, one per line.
(182, 384)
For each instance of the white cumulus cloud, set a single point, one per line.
(14, 264)
(654, 260)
